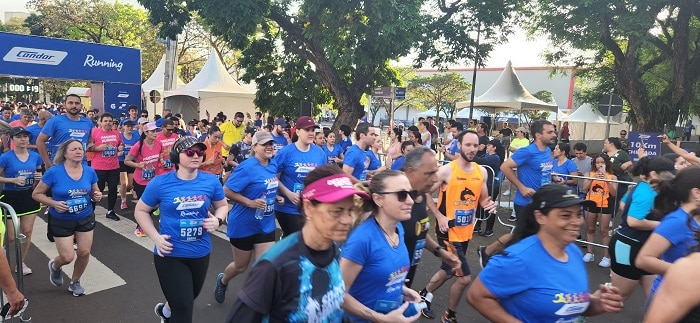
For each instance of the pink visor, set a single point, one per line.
(331, 189)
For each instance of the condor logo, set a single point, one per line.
(34, 56)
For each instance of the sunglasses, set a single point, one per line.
(401, 195)
(192, 152)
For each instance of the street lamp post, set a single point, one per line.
(476, 65)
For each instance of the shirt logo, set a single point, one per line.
(35, 56)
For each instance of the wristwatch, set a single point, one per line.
(221, 221)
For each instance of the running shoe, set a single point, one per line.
(112, 216)
(512, 218)
(56, 275)
(427, 312)
(605, 262)
(133, 194)
(483, 256)
(588, 257)
(26, 270)
(448, 319)
(220, 290)
(486, 233)
(159, 312)
(506, 193)
(123, 205)
(76, 289)
(139, 232)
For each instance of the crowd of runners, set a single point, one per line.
(355, 214)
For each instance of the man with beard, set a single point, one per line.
(461, 184)
(63, 127)
(421, 169)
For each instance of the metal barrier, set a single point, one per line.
(5, 210)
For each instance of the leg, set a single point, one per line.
(437, 280)
(590, 229)
(625, 285)
(239, 265)
(112, 183)
(605, 232)
(457, 290)
(176, 282)
(647, 281)
(26, 226)
(84, 241)
(64, 246)
(498, 245)
(260, 248)
(123, 183)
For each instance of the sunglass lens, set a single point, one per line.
(192, 152)
(401, 195)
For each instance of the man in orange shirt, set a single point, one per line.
(461, 184)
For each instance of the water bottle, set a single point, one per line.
(259, 212)
(414, 308)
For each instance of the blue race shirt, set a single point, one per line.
(13, 167)
(34, 131)
(374, 161)
(252, 180)
(345, 143)
(567, 167)
(60, 129)
(534, 170)
(398, 163)
(128, 143)
(379, 284)
(533, 286)
(184, 204)
(293, 165)
(280, 141)
(77, 194)
(335, 152)
(356, 158)
(674, 228)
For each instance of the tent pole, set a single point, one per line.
(476, 65)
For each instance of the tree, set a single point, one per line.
(440, 91)
(531, 115)
(646, 51)
(14, 25)
(341, 46)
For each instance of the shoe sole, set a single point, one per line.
(76, 295)
(50, 276)
(161, 317)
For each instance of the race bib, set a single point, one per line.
(269, 206)
(418, 252)
(77, 205)
(168, 164)
(464, 217)
(110, 151)
(363, 176)
(298, 188)
(147, 174)
(191, 229)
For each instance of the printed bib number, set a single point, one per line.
(191, 229)
(168, 164)
(148, 174)
(385, 306)
(331, 160)
(110, 151)
(363, 176)
(269, 206)
(298, 188)
(464, 217)
(418, 252)
(77, 205)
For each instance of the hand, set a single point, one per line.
(16, 300)
(162, 245)
(397, 315)
(37, 177)
(280, 200)
(60, 206)
(257, 204)
(610, 298)
(140, 165)
(19, 180)
(96, 196)
(442, 222)
(664, 139)
(410, 295)
(100, 147)
(211, 223)
(451, 260)
(294, 198)
(490, 207)
(527, 192)
(641, 152)
(120, 148)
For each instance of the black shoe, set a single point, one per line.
(112, 216)
(486, 233)
(477, 228)
(511, 219)
(483, 257)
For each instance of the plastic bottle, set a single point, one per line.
(259, 212)
(414, 308)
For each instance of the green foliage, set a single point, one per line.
(440, 91)
(14, 25)
(646, 51)
(341, 48)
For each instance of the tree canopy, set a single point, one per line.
(646, 51)
(307, 50)
(440, 91)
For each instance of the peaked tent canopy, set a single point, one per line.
(586, 113)
(587, 122)
(508, 94)
(157, 82)
(212, 90)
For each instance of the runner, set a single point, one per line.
(356, 161)
(72, 185)
(167, 138)
(406, 147)
(214, 161)
(126, 173)
(253, 189)
(540, 277)
(144, 157)
(60, 128)
(182, 247)
(375, 259)
(333, 152)
(20, 172)
(462, 185)
(107, 143)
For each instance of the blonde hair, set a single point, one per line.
(60, 156)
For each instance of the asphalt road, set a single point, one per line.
(122, 285)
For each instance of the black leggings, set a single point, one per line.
(289, 223)
(112, 179)
(181, 280)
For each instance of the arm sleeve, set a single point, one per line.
(520, 156)
(48, 128)
(505, 277)
(238, 179)
(356, 248)
(259, 290)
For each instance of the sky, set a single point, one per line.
(520, 50)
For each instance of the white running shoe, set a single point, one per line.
(588, 257)
(605, 262)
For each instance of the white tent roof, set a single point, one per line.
(80, 91)
(586, 113)
(212, 81)
(432, 113)
(508, 94)
(157, 79)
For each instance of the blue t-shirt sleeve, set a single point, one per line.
(49, 178)
(49, 127)
(642, 203)
(504, 276)
(520, 156)
(668, 228)
(280, 159)
(357, 247)
(37, 158)
(92, 175)
(150, 195)
(4, 162)
(570, 166)
(238, 180)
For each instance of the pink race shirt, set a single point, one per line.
(151, 159)
(167, 143)
(107, 159)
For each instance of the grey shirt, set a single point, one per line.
(583, 166)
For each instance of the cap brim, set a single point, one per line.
(264, 141)
(340, 194)
(571, 202)
(201, 145)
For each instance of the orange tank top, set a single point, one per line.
(459, 200)
(599, 192)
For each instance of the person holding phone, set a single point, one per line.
(600, 190)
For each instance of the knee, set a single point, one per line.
(240, 267)
(65, 258)
(83, 253)
(464, 280)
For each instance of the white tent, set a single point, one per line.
(508, 94)
(587, 122)
(156, 82)
(432, 113)
(212, 90)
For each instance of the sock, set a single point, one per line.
(450, 313)
(423, 292)
(166, 311)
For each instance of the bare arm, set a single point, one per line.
(487, 304)
(643, 224)
(678, 294)
(688, 156)
(43, 151)
(648, 257)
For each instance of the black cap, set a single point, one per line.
(496, 143)
(250, 130)
(15, 131)
(557, 196)
(280, 122)
(661, 164)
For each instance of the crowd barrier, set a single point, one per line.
(7, 212)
